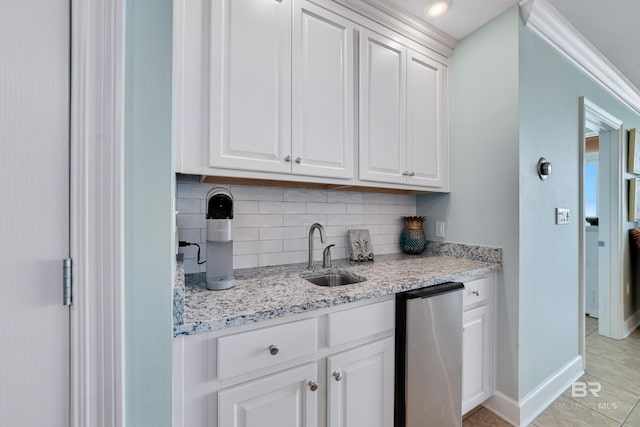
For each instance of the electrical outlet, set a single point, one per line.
(439, 228)
(562, 216)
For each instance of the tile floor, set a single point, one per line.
(615, 365)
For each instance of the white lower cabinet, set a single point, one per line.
(478, 366)
(360, 386)
(333, 367)
(285, 399)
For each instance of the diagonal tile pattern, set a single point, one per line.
(614, 366)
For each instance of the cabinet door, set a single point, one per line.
(323, 93)
(360, 386)
(284, 399)
(382, 149)
(250, 85)
(476, 365)
(427, 160)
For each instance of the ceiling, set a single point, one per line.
(614, 31)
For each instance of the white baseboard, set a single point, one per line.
(630, 324)
(504, 407)
(542, 396)
(522, 413)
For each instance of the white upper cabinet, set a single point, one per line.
(308, 91)
(427, 130)
(382, 108)
(250, 85)
(323, 93)
(403, 114)
(265, 118)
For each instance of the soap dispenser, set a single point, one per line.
(219, 239)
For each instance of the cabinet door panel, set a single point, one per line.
(364, 394)
(278, 400)
(323, 93)
(382, 148)
(250, 87)
(425, 121)
(475, 367)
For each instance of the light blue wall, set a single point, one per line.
(514, 100)
(482, 207)
(149, 184)
(550, 88)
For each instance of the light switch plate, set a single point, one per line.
(562, 216)
(439, 228)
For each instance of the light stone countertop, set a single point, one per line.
(271, 292)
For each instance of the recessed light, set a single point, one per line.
(438, 7)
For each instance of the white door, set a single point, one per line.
(323, 93)
(382, 147)
(250, 94)
(285, 399)
(360, 386)
(34, 218)
(607, 249)
(425, 120)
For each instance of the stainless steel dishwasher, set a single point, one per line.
(429, 357)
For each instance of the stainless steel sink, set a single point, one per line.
(334, 278)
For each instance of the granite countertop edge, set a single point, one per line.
(312, 305)
(280, 291)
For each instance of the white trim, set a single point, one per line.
(612, 309)
(522, 413)
(402, 23)
(97, 212)
(505, 407)
(534, 403)
(544, 20)
(631, 324)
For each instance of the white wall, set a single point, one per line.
(483, 205)
(271, 225)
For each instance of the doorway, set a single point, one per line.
(601, 221)
(34, 219)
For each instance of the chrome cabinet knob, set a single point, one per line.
(405, 173)
(313, 386)
(287, 159)
(337, 375)
(298, 159)
(476, 293)
(412, 173)
(273, 350)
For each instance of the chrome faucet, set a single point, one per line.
(311, 230)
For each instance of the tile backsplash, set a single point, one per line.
(271, 225)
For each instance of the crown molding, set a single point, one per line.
(403, 23)
(545, 20)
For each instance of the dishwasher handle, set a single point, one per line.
(434, 290)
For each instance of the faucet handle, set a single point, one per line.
(326, 256)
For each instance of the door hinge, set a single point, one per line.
(67, 281)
